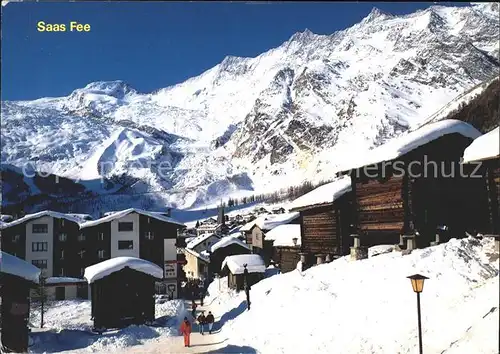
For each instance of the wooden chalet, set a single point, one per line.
(286, 242)
(227, 246)
(17, 277)
(325, 219)
(406, 188)
(234, 267)
(484, 153)
(122, 291)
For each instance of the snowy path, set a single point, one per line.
(199, 343)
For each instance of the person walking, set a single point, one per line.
(193, 308)
(201, 321)
(186, 331)
(210, 320)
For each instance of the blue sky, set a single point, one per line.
(152, 45)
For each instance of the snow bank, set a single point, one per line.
(485, 147)
(226, 241)
(324, 194)
(283, 235)
(70, 325)
(121, 214)
(254, 262)
(368, 306)
(380, 249)
(410, 141)
(18, 267)
(103, 269)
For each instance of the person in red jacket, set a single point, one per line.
(186, 331)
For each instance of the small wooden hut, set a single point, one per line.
(412, 185)
(17, 277)
(325, 219)
(122, 291)
(234, 266)
(227, 246)
(483, 155)
(286, 242)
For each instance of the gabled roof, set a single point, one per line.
(270, 221)
(197, 255)
(228, 240)
(283, 235)
(40, 214)
(120, 214)
(254, 262)
(199, 239)
(323, 195)
(107, 267)
(10, 264)
(485, 147)
(407, 142)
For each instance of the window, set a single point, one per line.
(81, 253)
(40, 228)
(62, 254)
(39, 246)
(100, 254)
(61, 272)
(149, 220)
(62, 222)
(125, 226)
(82, 271)
(40, 263)
(81, 237)
(150, 235)
(16, 238)
(100, 237)
(125, 245)
(63, 237)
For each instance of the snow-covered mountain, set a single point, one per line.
(253, 124)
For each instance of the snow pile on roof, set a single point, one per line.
(204, 256)
(356, 305)
(10, 264)
(324, 194)
(6, 218)
(199, 239)
(283, 235)
(120, 214)
(40, 214)
(103, 269)
(63, 280)
(410, 141)
(82, 217)
(380, 249)
(270, 221)
(485, 147)
(226, 241)
(254, 262)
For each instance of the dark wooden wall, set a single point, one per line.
(217, 257)
(286, 257)
(152, 250)
(236, 281)
(18, 248)
(134, 305)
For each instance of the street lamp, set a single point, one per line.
(245, 285)
(417, 283)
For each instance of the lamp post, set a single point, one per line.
(245, 285)
(417, 283)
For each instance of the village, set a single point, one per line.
(149, 257)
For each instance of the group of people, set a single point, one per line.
(195, 289)
(203, 320)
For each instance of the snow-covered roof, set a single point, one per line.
(6, 218)
(226, 241)
(324, 194)
(16, 266)
(40, 214)
(254, 262)
(107, 267)
(203, 256)
(270, 221)
(63, 280)
(82, 217)
(283, 235)
(121, 214)
(199, 239)
(410, 141)
(485, 147)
